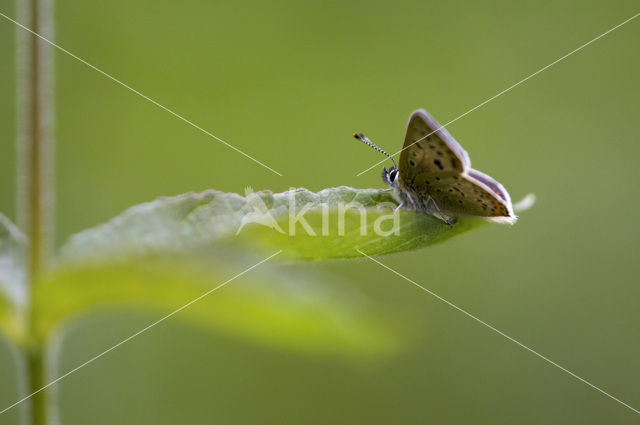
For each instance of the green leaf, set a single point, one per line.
(334, 223)
(12, 278)
(162, 254)
(270, 305)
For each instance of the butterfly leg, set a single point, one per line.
(432, 206)
(399, 207)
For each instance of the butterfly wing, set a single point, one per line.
(433, 164)
(471, 193)
(493, 185)
(428, 148)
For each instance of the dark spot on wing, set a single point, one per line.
(454, 163)
(413, 164)
(437, 178)
(438, 163)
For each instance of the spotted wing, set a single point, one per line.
(428, 148)
(471, 193)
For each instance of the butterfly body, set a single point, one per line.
(435, 175)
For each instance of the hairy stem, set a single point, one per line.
(35, 143)
(35, 148)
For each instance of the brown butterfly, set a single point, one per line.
(435, 175)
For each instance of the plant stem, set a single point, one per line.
(35, 143)
(37, 378)
(35, 148)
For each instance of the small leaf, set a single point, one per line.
(12, 278)
(333, 223)
(341, 221)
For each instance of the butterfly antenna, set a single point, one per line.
(364, 139)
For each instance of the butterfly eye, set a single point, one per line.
(393, 175)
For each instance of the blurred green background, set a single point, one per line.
(288, 82)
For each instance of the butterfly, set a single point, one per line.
(435, 176)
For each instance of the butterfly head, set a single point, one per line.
(389, 176)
